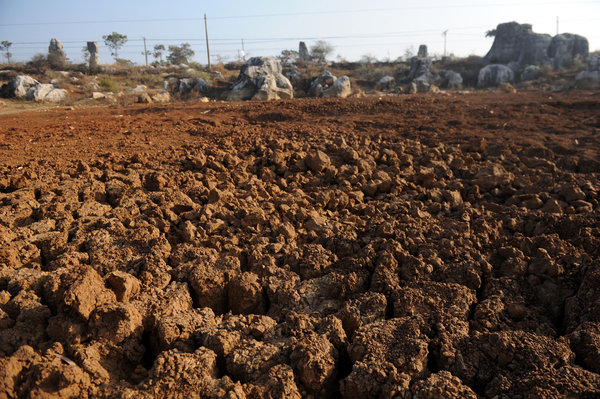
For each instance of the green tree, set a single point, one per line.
(158, 52)
(320, 50)
(5, 45)
(180, 54)
(288, 55)
(115, 41)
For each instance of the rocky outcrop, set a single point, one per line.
(419, 66)
(420, 71)
(320, 83)
(186, 86)
(94, 62)
(327, 85)
(27, 88)
(56, 53)
(18, 86)
(451, 79)
(261, 78)
(45, 92)
(495, 75)
(56, 48)
(517, 43)
(303, 52)
(386, 83)
(565, 47)
(340, 88)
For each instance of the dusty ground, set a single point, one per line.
(429, 245)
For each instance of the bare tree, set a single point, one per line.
(320, 50)
(5, 45)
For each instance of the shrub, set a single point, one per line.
(108, 84)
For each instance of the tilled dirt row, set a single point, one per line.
(416, 247)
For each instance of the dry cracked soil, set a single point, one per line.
(427, 246)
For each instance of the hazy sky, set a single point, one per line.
(380, 28)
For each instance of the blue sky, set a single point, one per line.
(380, 28)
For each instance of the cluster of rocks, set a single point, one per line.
(517, 51)
(327, 85)
(421, 78)
(186, 86)
(261, 78)
(25, 87)
(518, 44)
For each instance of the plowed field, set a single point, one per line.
(426, 246)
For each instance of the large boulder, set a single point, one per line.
(92, 48)
(321, 83)
(426, 82)
(495, 75)
(303, 52)
(565, 47)
(340, 88)
(18, 86)
(327, 85)
(420, 72)
(45, 92)
(515, 42)
(531, 72)
(56, 54)
(386, 83)
(419, 66)
(261, 78)
(451, 79)
(185, 86)
(56, 48)
(26, 87)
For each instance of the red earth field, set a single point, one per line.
(425, 246)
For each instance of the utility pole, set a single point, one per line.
(557, 25)
(145, 51)
(445, 33)
(207, 46)
(243, 51)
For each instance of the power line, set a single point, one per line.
(306, 13)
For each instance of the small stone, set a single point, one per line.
(144, 98)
